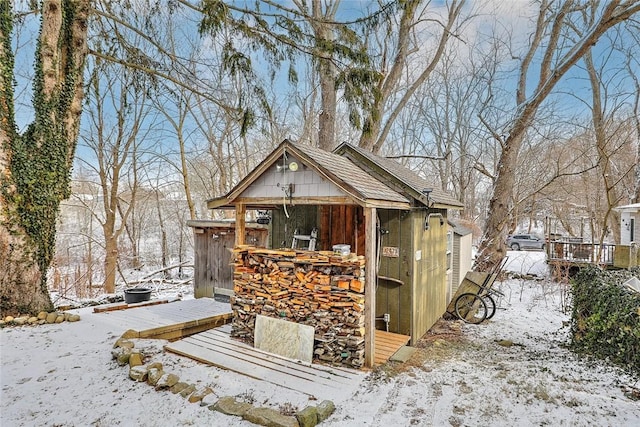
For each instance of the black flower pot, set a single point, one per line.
(134, 295)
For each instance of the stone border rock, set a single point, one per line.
(42, 318)
(125, 353)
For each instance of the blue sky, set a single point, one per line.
(511, 14)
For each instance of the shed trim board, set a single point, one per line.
(370, 287)
(241, 214)
(256, 203)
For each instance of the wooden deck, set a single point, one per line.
(387, 343)
(215, 347)
(170, 321)
(201, 330)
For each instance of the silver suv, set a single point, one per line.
(525, 241)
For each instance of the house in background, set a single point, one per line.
(626, 254)
(629, 223)
(573, 253)
(384, 212)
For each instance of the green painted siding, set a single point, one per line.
(430, 279)
(419, 302)
(391, 297)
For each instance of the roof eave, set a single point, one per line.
(218, 202)
(446, 206)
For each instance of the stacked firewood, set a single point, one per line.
(320, 289)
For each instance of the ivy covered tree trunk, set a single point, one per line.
(36, 166)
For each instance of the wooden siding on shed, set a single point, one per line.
(301, 217)
(342, 224)
(306, 183)
(336, 224)
(430, 271)
(212, 263)
(391, 297)
(462, 261)
(420, 301)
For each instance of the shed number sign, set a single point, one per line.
(390, 251)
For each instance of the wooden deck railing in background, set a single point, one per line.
(588, 253)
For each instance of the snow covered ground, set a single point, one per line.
(512, 370)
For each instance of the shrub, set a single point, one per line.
(606, 317)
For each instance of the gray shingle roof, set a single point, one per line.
(343, 172)
(404, 175)
(459, 228)
(350, 174)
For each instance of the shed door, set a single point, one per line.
(393, 298)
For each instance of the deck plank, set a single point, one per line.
(215, 347)
(218, 342)
(170, 320)
(387, 344)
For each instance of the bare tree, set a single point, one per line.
(632, 65)
(563, 34)
(636, 114)
(116, 131)
(443, 120)
(321, 16)
(379, 121)
(603, 142)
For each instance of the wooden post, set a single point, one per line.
(241, 212)
(202, 285)
(370, 287)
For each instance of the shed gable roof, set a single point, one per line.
(350, 174)
(355, 182)
(459, 229)
(403, 179)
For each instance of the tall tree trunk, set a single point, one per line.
(636, 118)
(326, 73)
(163, 233)
(35, 167)
(604, 155)
(110, 259)
(373, 121)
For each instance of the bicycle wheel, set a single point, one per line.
(471, 308)
(491, 306)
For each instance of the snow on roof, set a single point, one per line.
(635, 207)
